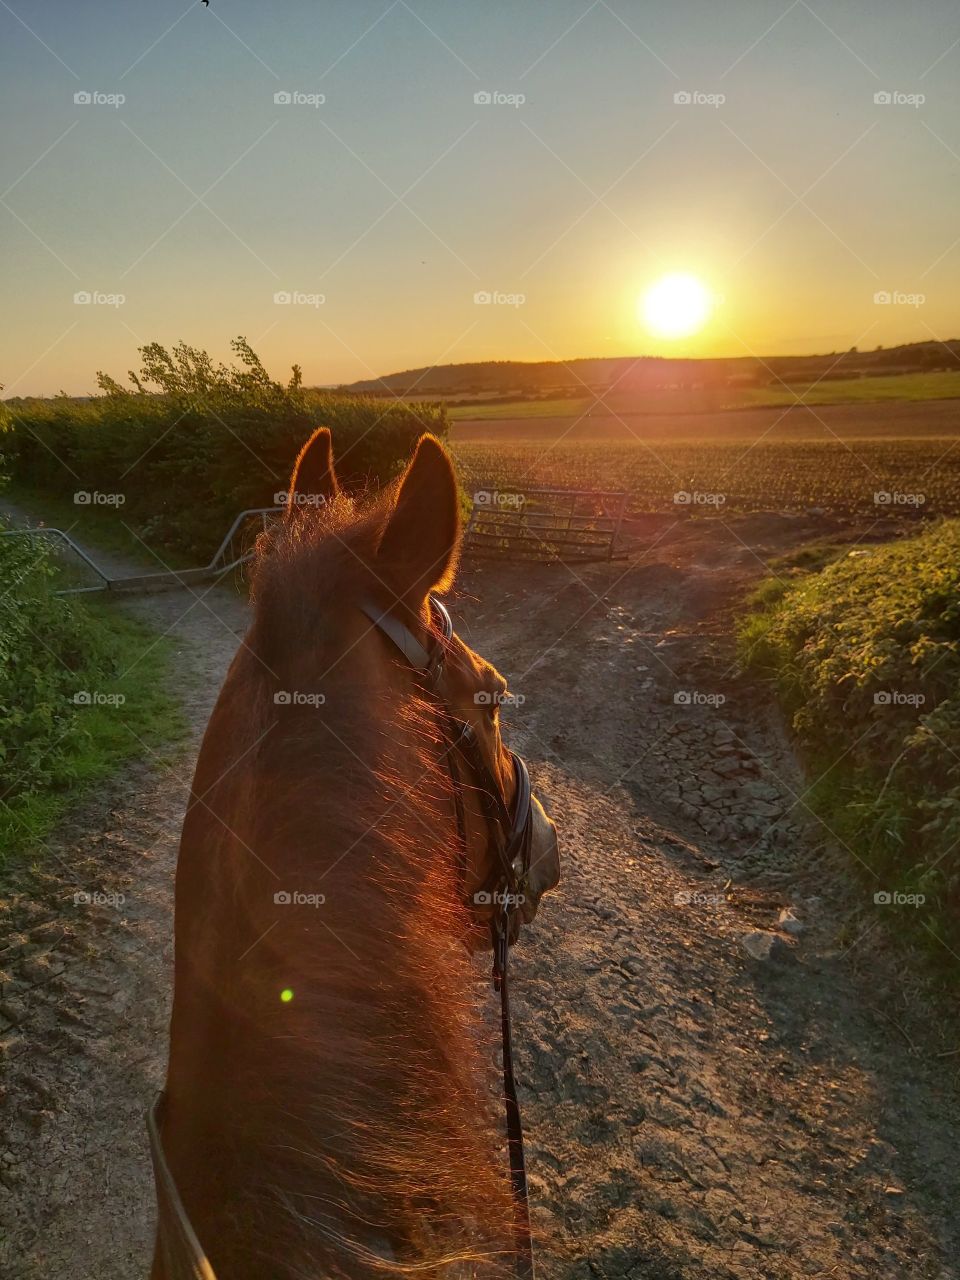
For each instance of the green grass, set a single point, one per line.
(936, 385)
(55, 749)
(864, 655)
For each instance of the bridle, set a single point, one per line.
(507, 880)
(504, 888)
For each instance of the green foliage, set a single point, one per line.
(865, 655)
(54, 650)
(190, 443)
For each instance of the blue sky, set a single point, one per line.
(796, 199)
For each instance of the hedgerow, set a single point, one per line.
(190, 443)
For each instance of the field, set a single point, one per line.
(793, 459)
(907, 387)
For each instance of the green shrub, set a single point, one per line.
(194, 443)
(865, 656)
(80, 690)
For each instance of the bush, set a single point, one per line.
(53, 652)
(866, 658)
(192, 443)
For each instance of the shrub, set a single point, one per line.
(54, 651)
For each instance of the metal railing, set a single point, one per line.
(235, 550)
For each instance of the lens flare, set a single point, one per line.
(286, 995)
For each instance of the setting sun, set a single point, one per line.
(676, 306)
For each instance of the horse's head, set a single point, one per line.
(403, 639)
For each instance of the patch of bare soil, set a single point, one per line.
(710, 1088)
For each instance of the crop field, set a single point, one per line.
(904, 387)
(883, 459)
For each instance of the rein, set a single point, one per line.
(179, 1248)
(505, 884)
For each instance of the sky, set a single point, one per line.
(444, 182)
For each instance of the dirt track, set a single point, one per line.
(691, 1111)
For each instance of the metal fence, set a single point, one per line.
(81, 573)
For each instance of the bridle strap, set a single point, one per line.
(459, 736)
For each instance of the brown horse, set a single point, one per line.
(327, 1110)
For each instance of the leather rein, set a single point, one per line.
(507, 880)
(183, 1256)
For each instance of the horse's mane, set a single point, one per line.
(367, 1115)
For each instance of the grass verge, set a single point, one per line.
(83, 689)
(864, 655)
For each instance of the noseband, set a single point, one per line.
(508, 878)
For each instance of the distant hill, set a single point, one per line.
(509, 378)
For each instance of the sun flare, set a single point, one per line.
(676, 306)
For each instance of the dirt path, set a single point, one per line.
(692, 1111)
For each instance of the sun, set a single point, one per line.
(676, 306)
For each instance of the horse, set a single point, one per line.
(327, 1110)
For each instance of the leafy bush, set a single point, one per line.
(53, 651)
(866, 658)
(191, 443)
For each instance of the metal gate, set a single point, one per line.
(546, 524)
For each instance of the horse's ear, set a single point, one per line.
(313, 474)
(419, 546)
